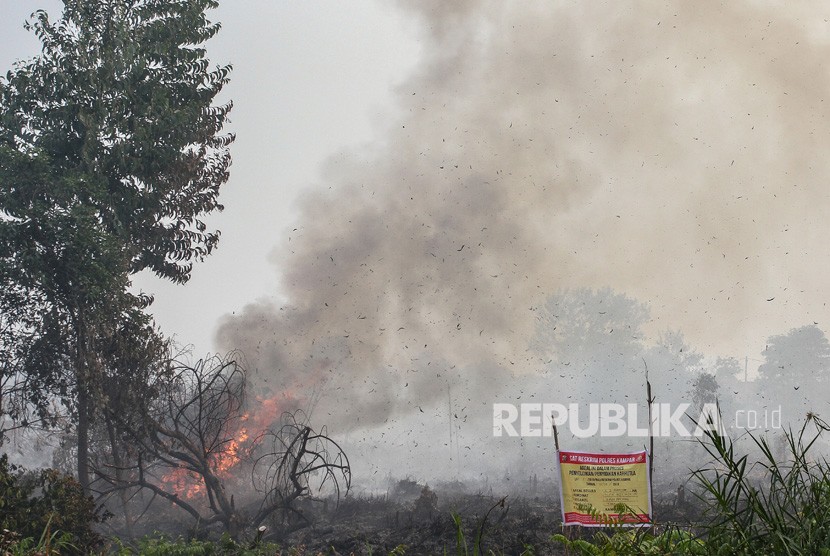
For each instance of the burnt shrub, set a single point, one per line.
(426, 506)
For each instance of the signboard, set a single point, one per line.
(593, 487)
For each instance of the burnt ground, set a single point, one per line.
(380, 524)
(423, 524)
(420, 518)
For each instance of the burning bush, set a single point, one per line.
(208, 451)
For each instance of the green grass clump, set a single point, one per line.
(50, 543)
(624, 541)
(631, 542)
(225, 546)
(784, 512)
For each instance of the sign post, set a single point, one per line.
(597, 490)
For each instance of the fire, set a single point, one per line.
(184, 483)
(229, 457)
(190, 485)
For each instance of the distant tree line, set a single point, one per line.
(596, 350)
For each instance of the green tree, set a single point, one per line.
(23, 402)
(111, 154)
(36, 504)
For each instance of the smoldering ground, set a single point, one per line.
(671, 151)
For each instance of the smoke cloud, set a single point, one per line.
(673, 151)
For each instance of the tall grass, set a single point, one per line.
(779, 504)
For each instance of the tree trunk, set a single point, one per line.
(82, 384)
(120, 478)
(83, 436)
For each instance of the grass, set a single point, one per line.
(50, 543)
(623, 540)
(785, 512)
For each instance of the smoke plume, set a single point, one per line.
(673, 151)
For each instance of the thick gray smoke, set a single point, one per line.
(674, 151)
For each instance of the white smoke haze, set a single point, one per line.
(672, 151)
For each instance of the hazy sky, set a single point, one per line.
(310, 78)
(675, 152)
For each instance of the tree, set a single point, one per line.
(296, 462)
(704, 390)
(180, 439)
(198, 440)
(46, 503)
(795, 370)
(23, 401)
(672, 363)
(595, 339)
(111, 154)
(592, 327)
(801, 354)
(729, 371)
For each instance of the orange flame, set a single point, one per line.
(190, 485)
